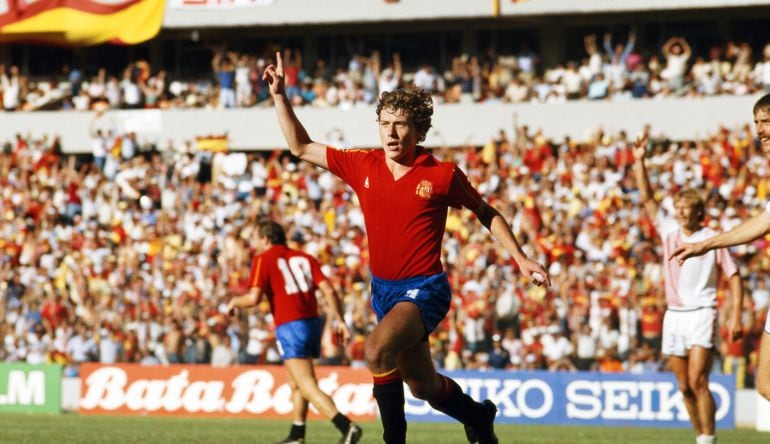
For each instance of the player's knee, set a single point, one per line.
(378, 356)
(684, 387)
(698, 382)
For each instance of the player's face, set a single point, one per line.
(397, 134)
(260, 243)
(687, 215)
(762, 123)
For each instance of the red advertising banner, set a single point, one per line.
(205, 391)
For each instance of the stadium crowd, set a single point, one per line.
(132, 257)
(607, 71)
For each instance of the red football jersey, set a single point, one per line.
(405, 218)
(289, 278)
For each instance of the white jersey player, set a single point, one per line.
(690, 323)
(749, 230)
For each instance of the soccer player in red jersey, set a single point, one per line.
(289, 279)
(404, 193)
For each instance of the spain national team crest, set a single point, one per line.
(425, 189)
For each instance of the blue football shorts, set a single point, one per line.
(431, 294)
(300, 338)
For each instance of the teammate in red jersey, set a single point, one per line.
(404, 193)
(289, 279)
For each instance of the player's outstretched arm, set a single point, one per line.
(749, 230)
(642, 179)
(249, 299)
(295, 134)
(495, 222)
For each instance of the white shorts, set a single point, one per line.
(682, 330)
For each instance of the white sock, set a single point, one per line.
(706, 439)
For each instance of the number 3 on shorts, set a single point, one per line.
(412, 293)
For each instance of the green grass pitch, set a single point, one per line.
(71, 428)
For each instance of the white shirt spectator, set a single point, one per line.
(760, 296)
(10, 88)
(424, 78)
(555, 345)
(112, 93)
(222, 355)
(585, 345)
(131, 93)
(108, 349)
(37, 348)
(80, 347)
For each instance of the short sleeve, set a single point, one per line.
(315, 269)
(259, 275)
(462, 193)
(347, 164)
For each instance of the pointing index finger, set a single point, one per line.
(279, 62)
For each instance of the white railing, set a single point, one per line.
(453, 125)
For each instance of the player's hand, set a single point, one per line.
(640, 147)
(535, 271)
(734, 329)
(342, 331)
(685, 251)
(232, 310)
(274, 76)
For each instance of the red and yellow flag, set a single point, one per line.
(80, 22)
(213, 143)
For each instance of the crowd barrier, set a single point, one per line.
(581, 398)
(258, 129)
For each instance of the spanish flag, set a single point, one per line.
(80, 22)
(213, 143)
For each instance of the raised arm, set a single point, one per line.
(397, 65)
(295, 134)
(666, 49)
(629, 47)
(589, 43)
(749, 230)
(607, 43)
(642, 180)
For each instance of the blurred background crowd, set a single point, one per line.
(130, 254)
(610, 68)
